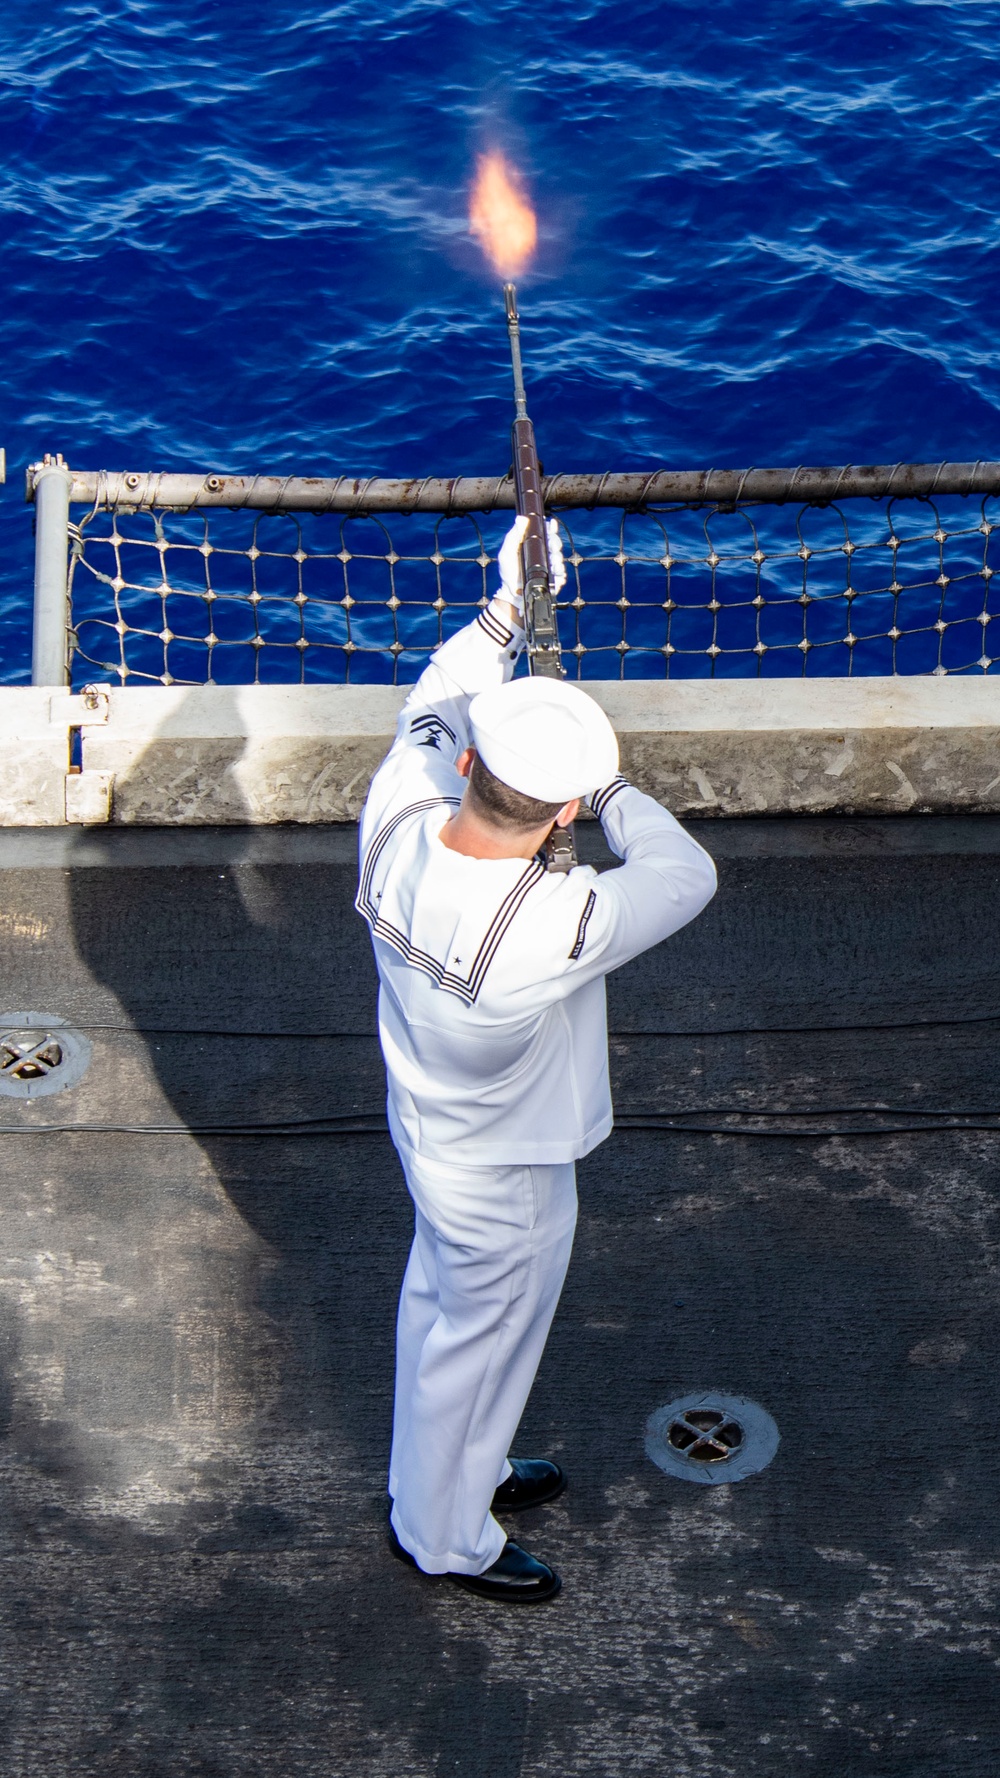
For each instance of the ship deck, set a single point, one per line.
(196, 1329)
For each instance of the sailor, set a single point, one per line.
(493, 1028)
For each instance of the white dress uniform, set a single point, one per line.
(493, 1027)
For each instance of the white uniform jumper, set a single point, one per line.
(493, 1027)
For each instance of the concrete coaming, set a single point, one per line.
(176, 755)
(195, 1337)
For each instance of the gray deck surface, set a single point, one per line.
(196, 1339)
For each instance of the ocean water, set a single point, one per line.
(235, 237)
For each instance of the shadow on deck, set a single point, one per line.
(196, 1336)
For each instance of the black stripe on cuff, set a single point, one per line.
(601, 798)
(495, 629)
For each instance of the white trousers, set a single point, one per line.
(489, 1256)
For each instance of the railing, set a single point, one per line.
(184, 579)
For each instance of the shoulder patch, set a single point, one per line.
(427, 730)
(581, 931)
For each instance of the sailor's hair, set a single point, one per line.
(503, 807)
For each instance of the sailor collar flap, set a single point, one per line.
(405, 878)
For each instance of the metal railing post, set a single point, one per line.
(51, 481)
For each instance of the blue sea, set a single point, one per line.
(235, 238)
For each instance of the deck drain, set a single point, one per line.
(711, 1438)
(40, 1054)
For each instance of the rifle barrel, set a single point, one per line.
(541, 628)
(514, 335)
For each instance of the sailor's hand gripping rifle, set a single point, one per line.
(540, 622)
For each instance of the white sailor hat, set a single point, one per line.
(542, 737)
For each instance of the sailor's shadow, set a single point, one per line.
(236, 955)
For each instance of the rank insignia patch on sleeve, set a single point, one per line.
(428, 730)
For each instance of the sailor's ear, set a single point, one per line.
(568, 813)
(463, 764)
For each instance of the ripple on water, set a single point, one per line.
(764, 237)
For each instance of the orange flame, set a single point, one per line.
(500, 216)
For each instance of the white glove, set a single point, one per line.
(509, 562)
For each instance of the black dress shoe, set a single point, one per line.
(534, 1481)
(515, 1577)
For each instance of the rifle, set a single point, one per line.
(540, 622)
